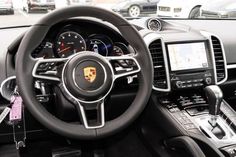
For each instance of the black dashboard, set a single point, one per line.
(166, 41)
(74, 36)
(202, 66)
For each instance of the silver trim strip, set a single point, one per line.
(148, 40)
(208, 36)
(231, 66)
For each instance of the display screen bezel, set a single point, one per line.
(190, 69)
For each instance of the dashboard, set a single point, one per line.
(181, 55)
(70, 37)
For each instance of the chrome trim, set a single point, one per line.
(2, 84)
(231, 66)
(105, 78)
(208, 36)
(41, 60)
(229, 138)
(85, 122)
(148, 40)
(155, 19)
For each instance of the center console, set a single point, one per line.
(194, 105)
(191, 111)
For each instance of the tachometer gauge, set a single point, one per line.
(119, 49)
(69, 43)
(100, 44)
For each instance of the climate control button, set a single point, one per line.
(179, 84)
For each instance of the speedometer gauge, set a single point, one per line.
(69, 43)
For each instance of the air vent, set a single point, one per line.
(221, 72)
(154, 25)
(160, 74)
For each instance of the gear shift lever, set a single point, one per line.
(215, 97)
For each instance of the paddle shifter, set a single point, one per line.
(215, 97)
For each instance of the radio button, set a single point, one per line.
(189, 81)
(179, 84)
(189, 85)
(208, 80)
(195, 80)
(200, 80)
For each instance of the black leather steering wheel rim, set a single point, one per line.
(25, 81)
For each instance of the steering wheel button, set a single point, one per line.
(43, 66)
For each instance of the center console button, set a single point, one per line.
(179, 84)
(189, 81)
(208, 81)
(175, 109)
(200, 80)
(189, 85)
(189, 126)
(195, 80)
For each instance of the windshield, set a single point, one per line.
(27, 12)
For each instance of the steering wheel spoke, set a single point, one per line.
(48, 69)
(124, 66)
(92, 114)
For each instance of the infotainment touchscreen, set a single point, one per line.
(187, 56)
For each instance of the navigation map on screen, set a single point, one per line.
(187, 56)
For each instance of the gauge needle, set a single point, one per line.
(64, 50)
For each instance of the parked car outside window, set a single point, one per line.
(135, 8)
(6, 7)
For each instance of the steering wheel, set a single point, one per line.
(85, 78)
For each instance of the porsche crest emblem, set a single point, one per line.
(90, 74)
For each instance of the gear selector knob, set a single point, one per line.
(215, 97)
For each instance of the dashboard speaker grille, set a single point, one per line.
(160, 78)
(219, 59)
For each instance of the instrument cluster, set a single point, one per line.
(71, 40)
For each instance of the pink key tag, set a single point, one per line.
(16, 109)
